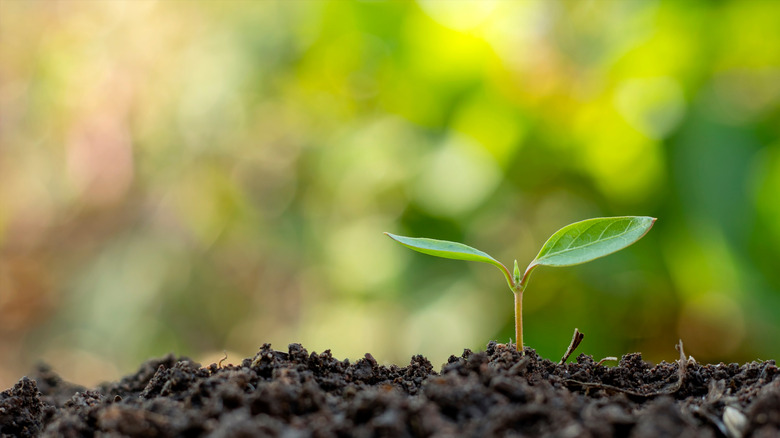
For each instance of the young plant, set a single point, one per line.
(573, 244)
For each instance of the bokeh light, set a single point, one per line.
(209, 177)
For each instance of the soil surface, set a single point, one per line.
(498, 392)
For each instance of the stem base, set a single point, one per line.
(519, 320)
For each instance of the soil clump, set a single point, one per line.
(497, 392)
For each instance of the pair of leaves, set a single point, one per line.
(573, 244)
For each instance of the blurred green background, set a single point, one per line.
(206, 176)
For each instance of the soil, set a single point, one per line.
(497, 392)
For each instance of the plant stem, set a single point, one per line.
(519, 320)
(518, 286)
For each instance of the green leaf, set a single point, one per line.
(444, 248)
(590, 239)
(449, 250)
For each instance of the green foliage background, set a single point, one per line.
(207, 176)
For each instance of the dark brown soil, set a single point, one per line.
(493, 393)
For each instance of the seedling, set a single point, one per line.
(573, 244)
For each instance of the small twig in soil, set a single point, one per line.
(575, 342)
(612, 358)
(669, 390)
(682, 364)
(520, 366)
